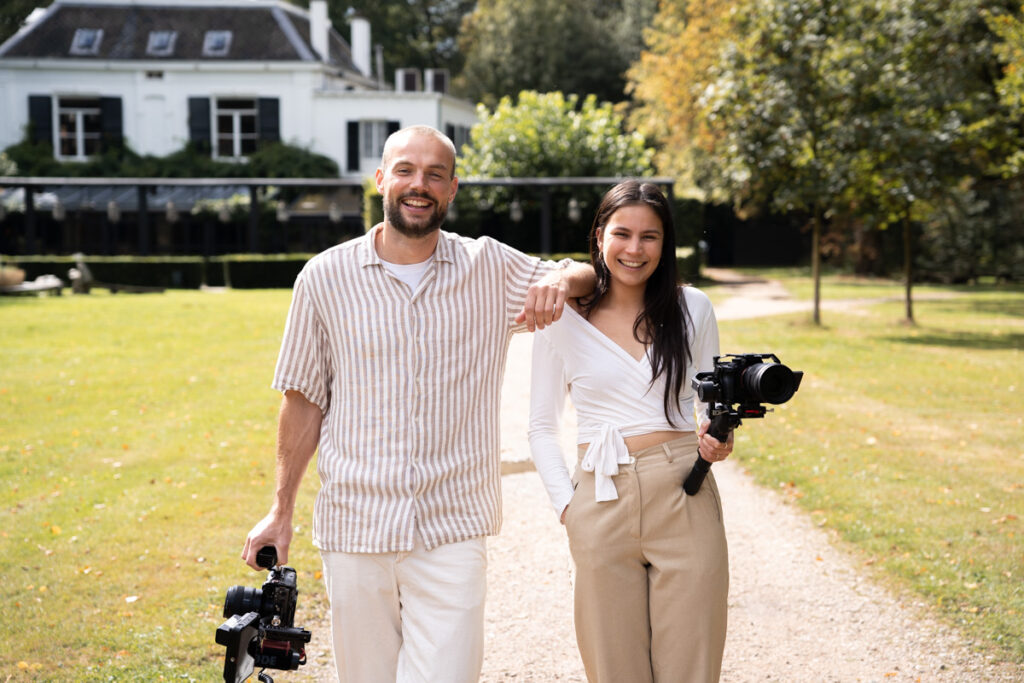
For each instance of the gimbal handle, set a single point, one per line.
(721, 424)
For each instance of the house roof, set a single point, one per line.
(261, 30)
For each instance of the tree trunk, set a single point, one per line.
(816, 263)
(908, 265)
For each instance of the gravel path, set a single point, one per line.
(800, 609)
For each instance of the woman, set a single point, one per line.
(652, 572)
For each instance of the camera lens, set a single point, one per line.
(242, 600)
(769, 382)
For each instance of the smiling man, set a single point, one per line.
(391, 363)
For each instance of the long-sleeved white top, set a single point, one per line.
(611, 392)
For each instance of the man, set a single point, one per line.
(392, 362)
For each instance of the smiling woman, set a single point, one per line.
(652, 569)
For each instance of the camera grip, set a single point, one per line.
(719, 428)
(696, 477)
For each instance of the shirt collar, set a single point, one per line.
(368, 255)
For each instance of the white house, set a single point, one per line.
(223, 74)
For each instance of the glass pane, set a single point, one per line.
(225, 147)
(248, 125)
(249, 105)
(248, 146)
(92, 145)
(225, 125)
(67, 147)
(91, 122)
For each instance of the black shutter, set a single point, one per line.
(394, 126)
(111, 122)
(353, 145)
(269, 119)
(199, 123)
(449, 130)
(40, 118)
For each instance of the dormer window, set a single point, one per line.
(161, 43)
(86, 41)
(216, 43)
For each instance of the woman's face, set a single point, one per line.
(630, 244)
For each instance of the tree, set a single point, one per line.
(413, 33)
(551, 135)
(777, 114)
(12, 14)
(683, 46)
(542, 45)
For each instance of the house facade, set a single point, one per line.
(223, 75)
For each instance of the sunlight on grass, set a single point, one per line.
(906, 442)
(137, 438)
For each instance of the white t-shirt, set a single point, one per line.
(410, 273)
(612, 394)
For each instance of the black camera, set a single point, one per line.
(734, 390)
(259, 630)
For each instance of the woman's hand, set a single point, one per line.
(711, 449)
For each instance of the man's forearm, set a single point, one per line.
(579, 279)
(298, 433)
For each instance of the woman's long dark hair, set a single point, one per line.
(662, 324)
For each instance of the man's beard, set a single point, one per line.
(393, 215)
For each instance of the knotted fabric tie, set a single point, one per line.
(603, 457)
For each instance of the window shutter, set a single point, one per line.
(40, 117)
(269, 119)
(394, 126)
(199, 123)
(353, 146)
(449, 130)
(111, 122)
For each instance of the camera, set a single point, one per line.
(259, 630)
(734, 390)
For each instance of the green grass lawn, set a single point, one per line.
(137, 437)
(136, 450)
(907, 442)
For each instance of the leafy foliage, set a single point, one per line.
(552, 135)
(574, 46)
(271, 160)
(667, 80)
(12, 14)
(547, 135)
(413, 33)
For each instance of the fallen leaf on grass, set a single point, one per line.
(131, 598)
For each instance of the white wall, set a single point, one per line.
(155, 110)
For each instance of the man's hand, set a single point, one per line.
(271, 530)
(545, 300)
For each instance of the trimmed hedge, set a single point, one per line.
(244, 271)
(241, 271)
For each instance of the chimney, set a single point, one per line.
(361, 43)
(319, 28)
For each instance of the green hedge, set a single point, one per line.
(244, 271)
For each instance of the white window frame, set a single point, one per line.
(210, 48)
(233, 132)
(372, 136)
(161, 43)
(77, 109)
(80, 43)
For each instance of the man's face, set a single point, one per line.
(417, 184)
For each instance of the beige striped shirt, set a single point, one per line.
(409, 385)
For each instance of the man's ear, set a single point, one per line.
(378, 175)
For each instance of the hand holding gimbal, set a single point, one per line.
(735, 389)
